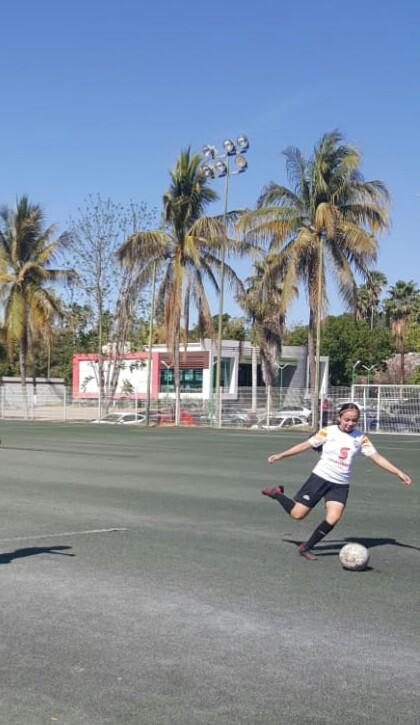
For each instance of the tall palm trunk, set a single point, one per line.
(269, 402)
(177, 381)
(311, 347)
(402, 359)
(254, 371)
(402, 367)
(23, 349)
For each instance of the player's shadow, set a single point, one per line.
(333, 547)
(9, 556)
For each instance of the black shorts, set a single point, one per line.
(316, 488)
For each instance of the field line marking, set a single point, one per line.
(64, 533)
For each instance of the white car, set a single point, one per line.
(278, 421)
(121, 419)
(299, 412)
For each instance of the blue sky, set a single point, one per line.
(101, 97)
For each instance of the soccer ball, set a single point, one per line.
(354, 557)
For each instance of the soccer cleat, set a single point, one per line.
(272, 491)
(306, 553)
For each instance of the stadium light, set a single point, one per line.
(242, 143)
(217, 165)
(241, 163)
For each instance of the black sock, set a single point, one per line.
(319, 533)
(285, 501)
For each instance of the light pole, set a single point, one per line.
(282, 367)
(149, 352)
(368, 369)
(353, 371)
(218, 165)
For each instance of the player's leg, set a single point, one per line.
(295, 510)
(306, 498)
(334, 510)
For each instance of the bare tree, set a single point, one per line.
(110, 289)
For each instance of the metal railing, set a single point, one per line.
(386, 408)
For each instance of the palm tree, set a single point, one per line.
(368, 297)
(328, 218)
(26, 251)
(404, 298)
(262, 301)
(185, 252)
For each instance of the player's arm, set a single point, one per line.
(383, 462)
(293, 451)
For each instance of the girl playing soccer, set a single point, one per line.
(331, 476)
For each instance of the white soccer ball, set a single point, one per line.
(354, 557)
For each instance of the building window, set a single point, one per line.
(225, 372)
(190, 379)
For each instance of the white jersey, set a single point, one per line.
(338, 451)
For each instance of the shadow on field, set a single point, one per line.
(370, 543)
(333, 547)
(9, 556)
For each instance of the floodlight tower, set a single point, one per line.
(219, 165)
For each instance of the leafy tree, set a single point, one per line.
(346, 340)
(233, 328)
(412, 340)
(414, 378)
(329, 216)
(27, 250)
(297, 335)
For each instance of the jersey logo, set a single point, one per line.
(344, 452)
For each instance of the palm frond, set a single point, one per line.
(144, 245)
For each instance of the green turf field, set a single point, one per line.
(146, 580)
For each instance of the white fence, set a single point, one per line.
(388, 408)
(384, 408)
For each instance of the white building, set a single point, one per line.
(239, 369)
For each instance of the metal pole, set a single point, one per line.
(149, 353)
(281, 386)
(282, 367)
(364, 407)
(100, 401)
(221, 302)
(315, 401)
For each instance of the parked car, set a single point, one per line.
(278, 421)
(168, 416)
(394, 423)
(238, 419)
(300, 412)
(405, 407)
(121, 419)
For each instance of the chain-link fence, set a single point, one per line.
(384, 408)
